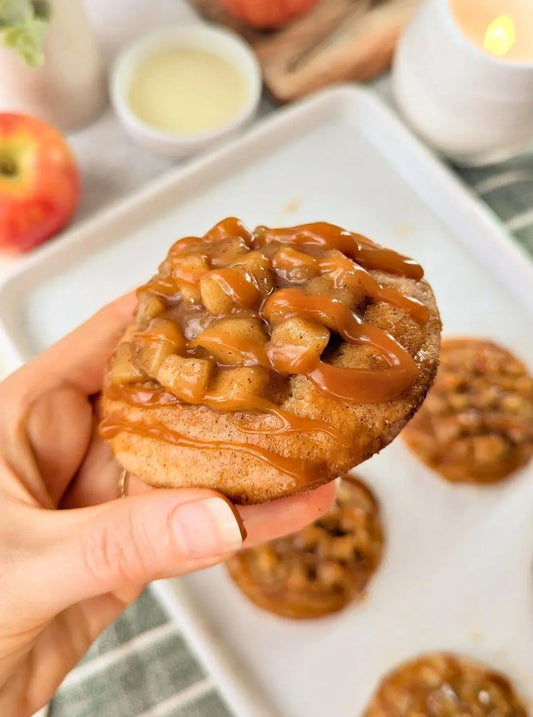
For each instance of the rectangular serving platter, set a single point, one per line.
(457, 573)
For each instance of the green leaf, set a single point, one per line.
(27, 39)
(23, 24)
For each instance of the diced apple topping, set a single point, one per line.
(213, 296)
(162, 330)
(190, 268)
(296, 342)
(235, 340)
(229, 227)
(345, 276)
(186, 378)
(149, 307)
(227, 251)
(330, 573)
(241, 383)
(123, 369)
(233, 303)
(187, 273)
(189, 292)
(258, 266)
(221, 289)
(320, 286)
(267, 564)
(295, 266)
(161, 339)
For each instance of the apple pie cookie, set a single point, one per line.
(264, 363)
(320, 569)
(476, 424)
(440, 685)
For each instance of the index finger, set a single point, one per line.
(80, 357)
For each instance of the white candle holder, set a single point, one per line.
(473, 106)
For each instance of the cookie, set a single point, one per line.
(265, 363)
(476, 425)
(323, 567)
(440, 685)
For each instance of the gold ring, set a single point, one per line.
(123, 481)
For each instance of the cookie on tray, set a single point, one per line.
(441, 685)
(476, 424)
(320, 569)
(266, 363)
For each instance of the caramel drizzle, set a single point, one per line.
(139, 396)
(157, 397)
(238, 285)
(338, 268)
(164, 286)
(352, 384)
(289, 422)
(229, 227)
(186, 245)
(321, 234)
(304, 473)
(358, 247)
(250, 353)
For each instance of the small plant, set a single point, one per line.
(23, 27)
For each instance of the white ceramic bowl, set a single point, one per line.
(224, 43)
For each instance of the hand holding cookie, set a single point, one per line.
(82, 553)
(264, 363)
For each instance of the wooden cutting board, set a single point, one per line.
(336, 41)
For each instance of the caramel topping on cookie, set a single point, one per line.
(318, 570)
(244, 299)
(303, 473)
(476, 424)
(440, 685)
(235, 318)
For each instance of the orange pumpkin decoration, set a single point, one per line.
(267, 14)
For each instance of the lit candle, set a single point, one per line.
(463, 77)
(501, 27)
(500, 36)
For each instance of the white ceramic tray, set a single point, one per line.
(457, 570)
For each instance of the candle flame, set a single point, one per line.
(500, 35)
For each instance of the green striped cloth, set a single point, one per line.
(141, 666)
(508, 190)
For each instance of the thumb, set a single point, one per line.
(129, 541)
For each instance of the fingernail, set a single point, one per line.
(207, 527)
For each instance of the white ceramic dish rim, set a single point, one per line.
(190, 35)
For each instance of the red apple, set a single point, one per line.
(267, 14)
(39, 182)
